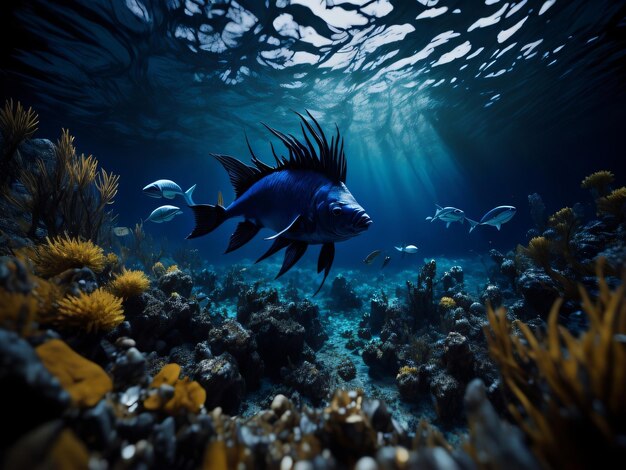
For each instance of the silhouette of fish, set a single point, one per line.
(369, 259)
(386, 261)
(303, 198)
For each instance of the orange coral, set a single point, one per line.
(62, 253)
(95, 312)
(84, 380)
(447, 303)
(188, 395)
(614, 203)
(599, 181)
(129, 284)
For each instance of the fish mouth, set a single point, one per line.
(361, 221)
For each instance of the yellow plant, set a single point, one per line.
(447, 303)
(614, 203)
(18, 312)
(172, 268)
(95, 312)
(112, 260)
(158, 269)
(85, 381)
(62, 253)
(600, 181)
(539, 250)
(188, 395)
(129, 283)
(16, 122)
(406, 370)
(569, 390)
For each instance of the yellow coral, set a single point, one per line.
(569, 390)
(614, 203)
(447, 303)
(95, 312)
(158, 269)
(112, 260)
(18, 311)
(172, 268)
(62, 253)
(406, 370)
(188, 395)
(84, 380)
(599, 181)
(129, 284)
(17, 123)
(538, 250)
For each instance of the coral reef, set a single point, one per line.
(62, 253)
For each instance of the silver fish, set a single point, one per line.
(369, 259)
(448, 215)
(121, 231)
(169, 190)
(410, 249)
(164, 214)
(496, 217)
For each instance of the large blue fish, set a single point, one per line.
(303, 198)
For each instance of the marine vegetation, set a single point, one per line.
(129, 283)
(16, 125)
(61, 253)
(187, 395)
(84, 380)
(568, 391)
(70, 195)
(614, 203)
(99, 311)
(18, 311)
(303, 198)
(598, 182)
(142, 248)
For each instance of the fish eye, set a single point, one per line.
(336, 210)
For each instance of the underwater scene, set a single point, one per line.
(313, 234)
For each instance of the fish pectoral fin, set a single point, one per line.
(448, 224)
(294, 252)
(291, 227)
(244, 232)
(498, 226)
(429, 218)
(325, 261)
(279, 244)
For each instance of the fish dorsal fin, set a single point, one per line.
(291, 227)
(328, 159)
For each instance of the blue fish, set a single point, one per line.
(303, 198)
(168, 189)
(496, 217)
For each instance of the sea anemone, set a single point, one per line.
(171, 269)
(188, 395)
(62, 253)
(614, 203)
(95, 312)
(598, 181)
(569, 390)
(129, 284)
(84, 380)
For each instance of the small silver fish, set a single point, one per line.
(169, 190)
(386, 261)
(410, 249)
(164, 214)
(121, 231)
(448, 215)
(369, 259)
(496, 217)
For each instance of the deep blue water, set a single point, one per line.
(470, 105)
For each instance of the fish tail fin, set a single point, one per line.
(429, 218)
(472, 223)
(188, 194)
(208, 218)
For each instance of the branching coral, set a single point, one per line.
(16, 125)
(158, 269)
(598, 182)
(84, 380)
(129, 284)
(187, 394)
(62, 253)
(569, 391)
(73, 197)
(91, 313)
(143, 248)
(614, 203)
